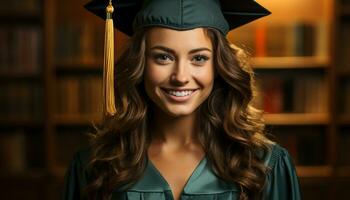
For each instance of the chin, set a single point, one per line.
(177, 111)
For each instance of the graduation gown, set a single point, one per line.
(203, 184)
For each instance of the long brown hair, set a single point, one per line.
(232, 128)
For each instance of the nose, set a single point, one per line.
(181, 74)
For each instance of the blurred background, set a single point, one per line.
(51, 74)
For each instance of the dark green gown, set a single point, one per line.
(201, 185)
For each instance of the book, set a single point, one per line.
(272, 92)
(344, 147)
(310, 94)
(345, 98)
(21, 101)
(78, 96)
(27, 6)
(260, 40)
(311, 149)
(344, 47)
(276, 40)
(322, 39)
(20, 50)
(13, 152)
(79, 44)
(291, 39)
(305, 39)
(291, 141)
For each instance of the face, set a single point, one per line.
(179, 73)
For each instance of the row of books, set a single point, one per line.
(344, 95)
(13, 151)
(304, 94)
(21, 150)
(306, 146)
(20, 50)
(294, 39)
(79, 43)
(344, 46)
(79, 95)
(346, 2)
(20, 6)
(21, 101)
(344, 148)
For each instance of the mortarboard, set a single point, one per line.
(130, 15)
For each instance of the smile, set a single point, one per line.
(179, 95)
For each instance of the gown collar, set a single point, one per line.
(201, 181)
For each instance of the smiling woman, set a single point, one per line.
(178, 76)
(184, 127)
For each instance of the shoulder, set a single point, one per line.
(282, 179)
(82, 156)
(78, 166)
(276, 152)
(76, 176)
(79, 161)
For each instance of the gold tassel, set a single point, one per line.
(108, 64)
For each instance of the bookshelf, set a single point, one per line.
(342, 83)
(21, 93)
(56, 50)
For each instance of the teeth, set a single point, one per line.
(180, 93)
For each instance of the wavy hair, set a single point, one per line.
(232, 128)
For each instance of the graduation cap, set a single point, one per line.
(131, 15)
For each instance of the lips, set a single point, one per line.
(179, 94)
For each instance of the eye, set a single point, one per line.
(162, 58)
(200, 59)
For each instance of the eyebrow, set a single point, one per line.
(173, 52)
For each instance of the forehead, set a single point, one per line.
(176, 39)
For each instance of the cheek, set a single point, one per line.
(154, 76)
(205, 77)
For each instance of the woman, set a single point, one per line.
(184, 125)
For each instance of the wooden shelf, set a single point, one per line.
(297, 119)
(66, 120)
(314, 171)
(290, 62)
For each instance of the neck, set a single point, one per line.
(175, 132)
